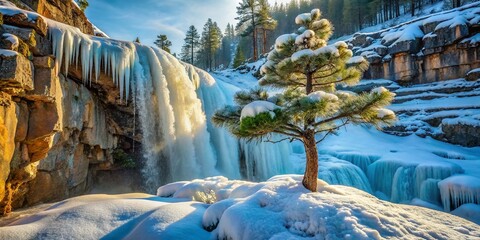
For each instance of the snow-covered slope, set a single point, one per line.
(277, 209)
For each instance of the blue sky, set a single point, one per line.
(127, 19)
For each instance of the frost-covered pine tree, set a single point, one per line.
(309, 108)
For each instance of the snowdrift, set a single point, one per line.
(280, 208)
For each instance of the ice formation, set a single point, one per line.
(175, 102)
(459, 190)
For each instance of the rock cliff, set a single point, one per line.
(430, 49)
(57, 136)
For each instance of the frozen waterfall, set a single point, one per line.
(175, 102)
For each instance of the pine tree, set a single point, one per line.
(163, 43)
(137, 40)
(192, 40)
(239, 58)
(83, 4)
(310, 108)
(265, 22)
(247, 22)
(210, 43)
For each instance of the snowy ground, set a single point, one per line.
(277, 209)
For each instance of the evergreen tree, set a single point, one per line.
(137, 40)
(265, 22)
(83, 4)
(309, 108)
(163, 43)
(247, 22)
(192, 40)
(239, 58)
(210, 43)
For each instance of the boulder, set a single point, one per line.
(39, 45)
(44, 62)
(15, 72)
(22, 125)
(463, 134)
(38, 149)
(445, 36)
(23, 20)
(43, 121)
(11, 42)
(473, 75)
(45, 83)
(408, 46)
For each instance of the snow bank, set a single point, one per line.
(280, 208)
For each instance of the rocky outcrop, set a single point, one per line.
(61, 11)
(56, 134)
(435, 48)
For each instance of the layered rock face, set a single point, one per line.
(429, 49)
(56, 135)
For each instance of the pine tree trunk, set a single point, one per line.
(264, 41)
(311, 170)
(191, 56)
(309, 142)
(254, 38)
(255, 50)
(412, 7)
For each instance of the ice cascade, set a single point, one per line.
(174, 101)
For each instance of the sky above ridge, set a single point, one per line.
(127, 19)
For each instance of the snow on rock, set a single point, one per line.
(257, 107)
(470, 120)
(472, 41)
(11, 38)
(411, 32)
(8, 53)
(458, 190)
(98, 32)
(321, 95)
(451, 23)
(11, 9)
